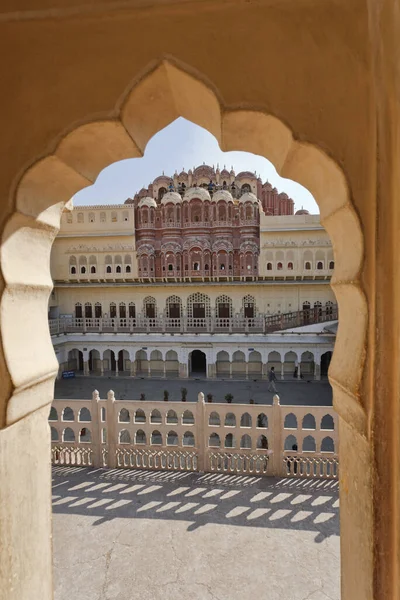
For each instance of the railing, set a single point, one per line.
(294, 441)
(237, 324)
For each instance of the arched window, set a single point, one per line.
(54, 434)
(78, 311)
(92, 217)
(198, 306)
(172, 417)
(124, 437)
(140, 416)
(155, 417)
(327, 445)
(320, 265)
(172, 438)
(92, 269)
(108, 269)
(108, 263)
(73, 270)
(214, 440)
(103, 217)
(230, 420)
(245, 188)
(290, 266)
(262, 442)
(187, 418)
(214, 419)
(307, 266)
(80, 217)
(279, 266)
(188, 439)
(269, 266)
(150, 307)
(127, 268)
(114, 217)
(245, 420)
(118, 269)
(132, 310)
(223, 307)
(53, 416)
(245, 441)
(123, 416)
(249, 307)
(327, 423)
(331, 264)
(97, 310)
(262, 421)
(68, 435)
(174, 307)
(88, 310)
(309, 444)
(156, 438)
(290, 421)
(308, 422)
(122, 310)
(72, 265)
(140, 437)
(229, 441)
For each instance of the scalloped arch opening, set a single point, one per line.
(164, 94)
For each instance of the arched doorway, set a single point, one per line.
(198, 363)
(325, 362)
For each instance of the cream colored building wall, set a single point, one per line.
(95, 237)
(296, 239)
(270, 298)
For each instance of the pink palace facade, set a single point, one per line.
(203, 223)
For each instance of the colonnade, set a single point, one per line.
(209, 362)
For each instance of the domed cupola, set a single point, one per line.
(222, 195)
(198, 193)
(248, 197)
(149, 202)
(171, 197)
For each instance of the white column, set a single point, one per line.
(282, 370)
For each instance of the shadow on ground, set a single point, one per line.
(239, 501)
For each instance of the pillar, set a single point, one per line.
(276, 444)
(133, 368)
(183, 370)
(95, 411)
(111, 418)
(165, 368)
(247, 369)
(86, 367)
(116, 365)
(230, 369)
(282, 370)
(101, 367)
(317, 371)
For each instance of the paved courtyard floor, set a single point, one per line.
(127, 535)
(315, 393)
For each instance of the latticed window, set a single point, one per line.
(249, 307)
(223, 306)
(150, 307)
(198, 305)
(174, 307)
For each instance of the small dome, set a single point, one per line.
(302, 211)
(197, 192)
(224, 173)
(248, 197)
(222, 195)
(163, 178)
(173, 197)
(283, 196)
(183, 174)
(150, 202)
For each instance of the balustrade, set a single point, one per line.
(260, 323)
(294, 441)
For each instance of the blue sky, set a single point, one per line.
(182, 145)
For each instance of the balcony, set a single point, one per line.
(237, 324)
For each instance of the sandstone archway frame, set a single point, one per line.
(166, 92)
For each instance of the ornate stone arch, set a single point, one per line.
(75, 162)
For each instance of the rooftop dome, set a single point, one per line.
(248, 197)
(150, 202)
(162, 178)
(222, 195)
(302, 211)
(196, 192)
(224, 173)
(173, 197)
(245, 174)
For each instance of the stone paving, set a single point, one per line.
(141, 535)
(315, 393)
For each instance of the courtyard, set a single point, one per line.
(291, 392)
(127, 535)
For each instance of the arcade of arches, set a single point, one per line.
(335, 131)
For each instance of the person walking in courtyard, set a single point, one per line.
(272, 379)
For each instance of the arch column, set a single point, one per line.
(85, 354)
